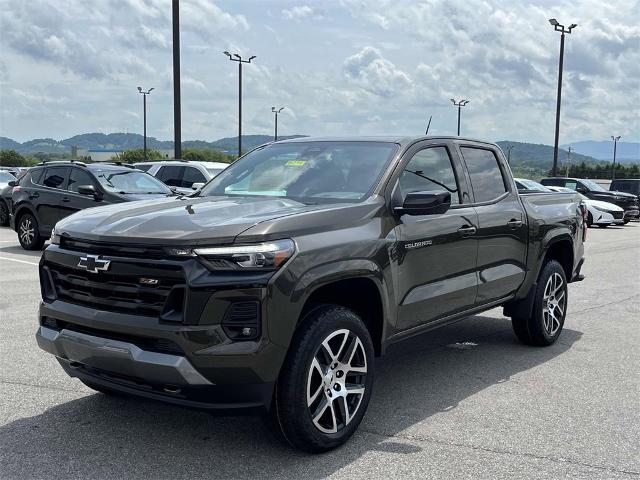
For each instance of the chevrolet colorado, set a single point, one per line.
(277, 283)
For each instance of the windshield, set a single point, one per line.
(309, 172)
(6, 177)
(130, 181)
(593, 186)
(531, 185)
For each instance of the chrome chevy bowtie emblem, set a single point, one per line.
(94, 264)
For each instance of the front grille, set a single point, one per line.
(159, 345)
(119, 250)
(617, 215)
(118, 292)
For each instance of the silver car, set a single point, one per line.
(183, 176)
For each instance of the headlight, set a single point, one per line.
(604, 210)
(55, 237)
(259, 256)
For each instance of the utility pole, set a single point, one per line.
(144, 114)
(276, 112)
(460, 104)
(568, 162)
(613, 167)
(237, 58)
(177, 123)
(509, 148)
(559, 28)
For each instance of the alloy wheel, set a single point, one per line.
(553, 304)
(27, 231)
(336, 381)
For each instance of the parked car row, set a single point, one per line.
(605, 207)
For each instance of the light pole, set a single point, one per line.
(276, 112)
(615, 145)
(177, 122)
(460, 104)
(559, 28)
(144, 110)
(237, 58)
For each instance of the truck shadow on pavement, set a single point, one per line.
(417, 382)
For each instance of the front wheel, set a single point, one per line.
(28, 234)
(325, 385)
(603, 225)
(626, 220)
(545, 324)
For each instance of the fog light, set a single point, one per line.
(248, 332)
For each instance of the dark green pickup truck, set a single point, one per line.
(276, 285)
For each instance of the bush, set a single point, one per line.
(206, 155)
(11, 158)
(137, 155)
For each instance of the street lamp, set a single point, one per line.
(615, 144)
(144, 110)
(276, 112)
(559, 28)
(237, 58)
(460, 104)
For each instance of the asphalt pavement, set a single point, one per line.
(465, 401)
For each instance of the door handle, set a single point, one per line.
(467, 231)
(66, 199)
(514, 223)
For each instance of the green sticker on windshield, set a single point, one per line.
(295, 163)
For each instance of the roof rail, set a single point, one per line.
(47, 162)
(120, 164)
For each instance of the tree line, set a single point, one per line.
(602, 171)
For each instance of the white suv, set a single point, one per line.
(183, 176)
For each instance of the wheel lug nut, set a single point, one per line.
(337, 387)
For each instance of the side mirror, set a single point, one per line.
(197, 186)
(12, 183)
(425, 203)
(90, 191)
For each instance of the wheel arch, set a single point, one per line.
(20, 210)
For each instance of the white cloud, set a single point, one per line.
(375, 74)
(298, 12)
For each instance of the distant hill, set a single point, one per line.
(627, 152)
(539, 156)
(129, 141)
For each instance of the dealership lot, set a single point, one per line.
(467, 401)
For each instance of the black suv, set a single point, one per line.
(594, 191)
(53, 190)
(627, 185)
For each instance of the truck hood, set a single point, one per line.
(181, 220)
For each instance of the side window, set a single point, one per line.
(171, 175)
(144, 168)
(78, 178)
(192, 175)
(54, 177)
(486, 178)
(572, 184)
(430, 170)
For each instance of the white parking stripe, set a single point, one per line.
(19, 261)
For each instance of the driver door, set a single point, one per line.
(437, 254)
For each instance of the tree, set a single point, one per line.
(137, 155)
(202, 155)
(11, 158)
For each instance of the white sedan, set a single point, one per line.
(601, 213)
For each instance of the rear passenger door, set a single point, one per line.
(436, 254)
(190, 176)
(47, 199)
(171, 175)
(502, 229)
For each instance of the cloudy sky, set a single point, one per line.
(348, 67)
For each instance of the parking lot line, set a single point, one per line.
(19, 261)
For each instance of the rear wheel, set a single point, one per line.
(325, 385)
(545, 324)
(4, 214)
(28, 234)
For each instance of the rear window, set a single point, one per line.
(486, 177)
(144, 168)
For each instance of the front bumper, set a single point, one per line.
(632, 214)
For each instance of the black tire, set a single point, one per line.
(535, 329)
(101, 389)
(603, 225)
(626, 221)
(304, 375)
(4, 214)
(28, 234)
(589, 220)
